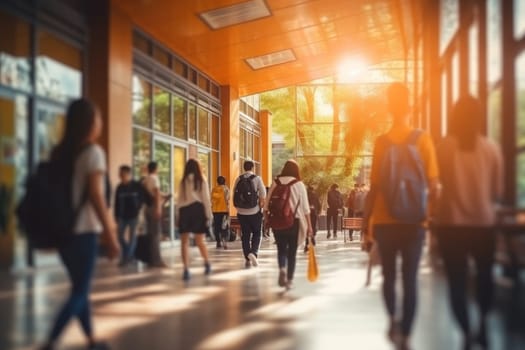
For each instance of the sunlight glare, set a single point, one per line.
(350, 69)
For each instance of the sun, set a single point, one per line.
(349, 69)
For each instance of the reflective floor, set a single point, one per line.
(235, 308)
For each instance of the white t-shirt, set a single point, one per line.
(91, 160)
(152, 182)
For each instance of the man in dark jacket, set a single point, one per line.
(128, 202)
(315, 209)
(335, 202)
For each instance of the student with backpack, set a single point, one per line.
(472, 178)
(286, 207)
(220, 198)
(193, 214)
(335, 202)
(404, 170)
(128, 203)
(248, 198)
(79, 163)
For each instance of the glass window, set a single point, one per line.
(215, 132)
(473, 60)
(192, 121)
(449, 22)
(256, 148)
(494, 114)
(494, 41)
(249, 145)
(141, 43)
(520, 100)
(49, 129)
(193, 76)
(141, 103)
(162, 56)
(520, 179)
(519, 18)
(242, 143)
(444, 104)
(180, 125)
(204, 128)
(179, 67)
(179, 160)
(161, 110)
(214, 167)
(15, 68)
(58, 68)
(141, 152)
(215, 90)
(203, 83)
(204, 160)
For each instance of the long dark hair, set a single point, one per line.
(291, 168)
(80, 118)
(193, 167)
(466, 122)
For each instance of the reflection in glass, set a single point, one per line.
(192, 121)
(179, 161)
(49, 128)
(179, 117)
(494, 114)
(494, 42)
(204, 160)
(215, 132)
(141, 102)
(519, 18)
(520, 100)
(520, 179)
(473, 60)
(162, 156)
(15, 69)
(161, 110)
(449, 22)
(204, 128)
(141, 152)
(242, 143)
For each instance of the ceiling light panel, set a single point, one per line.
(271, 59)
(235, 14)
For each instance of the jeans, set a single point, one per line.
(78, 255)
(128, 248)
(287, 248)
(408, 241)
(217, 226)
(331, 219)
(456, 244)
(251, 233)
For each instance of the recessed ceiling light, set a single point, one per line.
(271, 59)
(234, 14)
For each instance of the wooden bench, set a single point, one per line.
(350, 224)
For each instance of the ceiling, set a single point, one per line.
(321, 34)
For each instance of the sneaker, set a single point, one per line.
(393, 331)
(186, 275)
(328, 235)
(247, 264)
(253, 259)
(282, 278)
(289, 284)
(219, 245)
(335, 235)
(207, 268)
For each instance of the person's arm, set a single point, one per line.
(206, 201)
(116, 210)
(265, 207)
(227, 196)
(262, 192)
(305, 206)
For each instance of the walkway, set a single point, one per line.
(235, 308)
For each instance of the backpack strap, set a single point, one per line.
(414, 136)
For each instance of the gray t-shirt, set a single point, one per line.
(91, 160)
(261, 192)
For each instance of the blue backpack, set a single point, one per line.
(403, 181)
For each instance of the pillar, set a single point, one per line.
(266, 146)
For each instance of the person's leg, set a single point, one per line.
(217, 224)
(199, 241)
(335, 216)
(292, 238)
(329, 214)
(244, 221)
(256, 227)
(411, 242)
(153, 231)
(451, 242)
(282, 254)
(132, 238)
(78, 257)
(184, 249)
(121, 227)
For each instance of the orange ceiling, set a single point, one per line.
(321, 33)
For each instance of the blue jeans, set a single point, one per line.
(406, 240)
(287, 248)
(128, 248)
(251, 226)
(78, 255)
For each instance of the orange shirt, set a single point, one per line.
(380, 212)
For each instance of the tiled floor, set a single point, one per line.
(235, 308)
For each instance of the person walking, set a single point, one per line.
(128, 203)
(296, 205)
(315, 209)
(79, 155)
(472, 178)
(154, 214)
(220, 199)
(398, 223)
(248, 199)
(335, 202)
(358, 206)
(194, 214)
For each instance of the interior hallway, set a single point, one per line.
(235, 308)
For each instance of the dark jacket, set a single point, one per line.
(315, 204)
(129, 199)
(335, 199)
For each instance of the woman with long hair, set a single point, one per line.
(472, 178)
(79, 158)
(288, 239)
(193, 214)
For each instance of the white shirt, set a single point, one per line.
(91, 160)
(188, 195)
(472, 183)
(261, 193)
(152, 182)
(298, 195)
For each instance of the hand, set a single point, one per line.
(309, 232)
(367, 245)
(110, 241)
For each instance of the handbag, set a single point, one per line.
(313, 269)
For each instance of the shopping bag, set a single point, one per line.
(313, 269)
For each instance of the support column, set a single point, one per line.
(266, 146)
(432, 72)
(230, 165)
(110, 79)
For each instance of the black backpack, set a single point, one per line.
(46, 211)
(245, 195)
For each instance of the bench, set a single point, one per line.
(350, 224)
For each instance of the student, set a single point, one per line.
(393, 235)
(288, 239)
(193, 214)
(315, 209)
(154, 214)
(359, 199)
(472, 178)
(78, 154)
(335, 202)
(220, 198)
(248, 199)
(128, 202)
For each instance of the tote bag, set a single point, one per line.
(313, 269)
